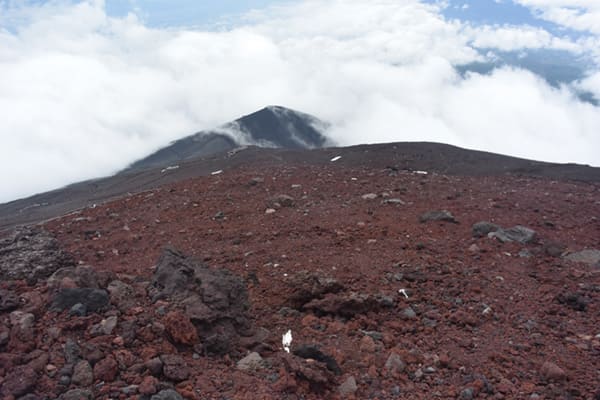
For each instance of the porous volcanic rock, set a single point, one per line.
(305, 286)
(31, 254)
(215, 300)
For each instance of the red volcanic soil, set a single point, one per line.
(406, 309)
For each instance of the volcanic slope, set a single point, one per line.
(386, 287)
(403, 156)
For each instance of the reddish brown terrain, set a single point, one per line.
(382, 303)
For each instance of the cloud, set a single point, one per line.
(581, 15)
(83, 94)
(513, 38)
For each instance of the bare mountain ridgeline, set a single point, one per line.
(274, 136)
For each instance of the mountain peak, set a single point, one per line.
(272, 126)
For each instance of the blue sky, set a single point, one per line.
(172, 13)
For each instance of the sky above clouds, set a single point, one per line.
(87, 87)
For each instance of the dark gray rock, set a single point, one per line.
(408, 313)
(282, 200)
(395, 363)
(77, 394)
(71, 352)
(438, 215)
(31, 254)
(589, 256)
(305, 286)
(251, 362)
(30, 396)
(154, 366)
(122, 294)
(168, 394)
(517, 233)
(81, 275)
(483, 228)
(467, 394)
(175, 368)
(93, 299)
(104, 327)
(348, 304)
(575, 301)
(9, 300)
(314, 353)
(78, 310)
(348, 387)
(215, 300)
(18, 382)
(83, 374)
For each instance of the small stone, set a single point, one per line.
(83, 374)
(105, 327)
(474, 248)
(106, 369)
(349, 387)
(168, 394)
(51, 369)
(93, 299)
(180, 328)
(71, 351)
(78, 310)
(64, 380)
(367, 345)
(394, 202)
(270, 211)
(154, 365)
(418, 374)
(441, 215)
(19, 382)
(483, 228)
(369, 196)
(252, 361)
(467, 394)
(517, 233)
(395, 364)
(408, 313)
(552, 372)
(77, 394)
(175, 368)
(589, 256)
(148, 386)
(129, 390)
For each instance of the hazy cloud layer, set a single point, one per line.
(82, 94)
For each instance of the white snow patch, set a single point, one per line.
(286, 340)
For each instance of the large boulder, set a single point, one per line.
(31, 254)
(215, 300)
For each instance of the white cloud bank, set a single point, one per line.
(83, 94)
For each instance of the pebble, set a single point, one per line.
(252, 361)
(395, 363)
(552, 372)
(349, 387)
(82, 374)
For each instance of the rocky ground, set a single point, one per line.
(389, 281)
